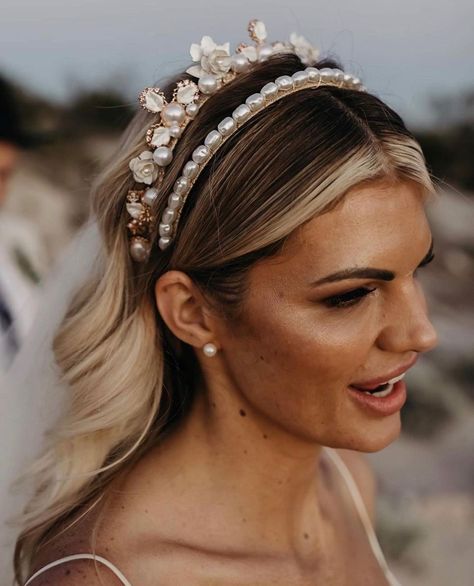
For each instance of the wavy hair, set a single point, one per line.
(129, 379)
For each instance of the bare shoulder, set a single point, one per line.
(76, 573)
(364, 477)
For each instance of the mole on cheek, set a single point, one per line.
(242, 413)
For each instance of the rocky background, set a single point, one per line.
(426, 478)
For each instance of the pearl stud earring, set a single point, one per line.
(209, 349)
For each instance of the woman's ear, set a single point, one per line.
(184, 309)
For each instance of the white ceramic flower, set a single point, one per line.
(144, 168)
(303, 48)
(161, 136)
(213, 59)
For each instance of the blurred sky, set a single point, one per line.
(402, 50)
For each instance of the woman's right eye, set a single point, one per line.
(347, 299)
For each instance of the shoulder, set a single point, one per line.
(76, 573)
(364, 477)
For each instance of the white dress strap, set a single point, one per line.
(78, 556)
(363, 514)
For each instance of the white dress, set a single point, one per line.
(359, 504)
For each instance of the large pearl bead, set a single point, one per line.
(139, 249)
(162, 156)
(173, 114)
(208, 84)
(239, 63)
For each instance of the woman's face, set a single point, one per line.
(295, 352)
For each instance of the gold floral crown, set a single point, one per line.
(215, 68)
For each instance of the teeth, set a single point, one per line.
(396, 379)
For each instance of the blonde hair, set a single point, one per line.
(128, 377)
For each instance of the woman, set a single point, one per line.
(221, 370)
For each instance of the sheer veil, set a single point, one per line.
(31, 395)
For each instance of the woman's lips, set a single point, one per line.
(376, 382)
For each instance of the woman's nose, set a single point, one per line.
(407, 325)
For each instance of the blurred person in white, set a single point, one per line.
(22, 256)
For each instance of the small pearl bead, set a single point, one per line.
(284, 82)
(239, 63)
(190, 170)
(173, 113)
(181, 185)
(314, 74)
(327, 74)
(175, 131)
(241, 113)
(208, 84)
(150, 196)
(213, 139)
(300, 78)
(209, 349)
(192, 109)
(201, 153)
(174, 201)
(162, 156)
(269, 90)
(168, 216)
(164, 229)
(163, 242)
(255, 102)
(227, 126)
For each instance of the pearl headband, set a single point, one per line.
(217, 67)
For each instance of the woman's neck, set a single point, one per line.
(268, 485)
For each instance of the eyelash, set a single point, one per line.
(353, 297)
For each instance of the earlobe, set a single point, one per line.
(182, 308)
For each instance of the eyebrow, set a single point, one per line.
(365, 272)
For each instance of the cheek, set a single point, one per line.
(304, 348)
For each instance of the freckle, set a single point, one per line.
(106, 549)
(306, 535)
(265, 436)
(146, 510)
(245, 451)
(213, 404)
(68, 572)
(242, 413)
(112, 539)
(244, 519)
(122, 507)
(262, 358)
